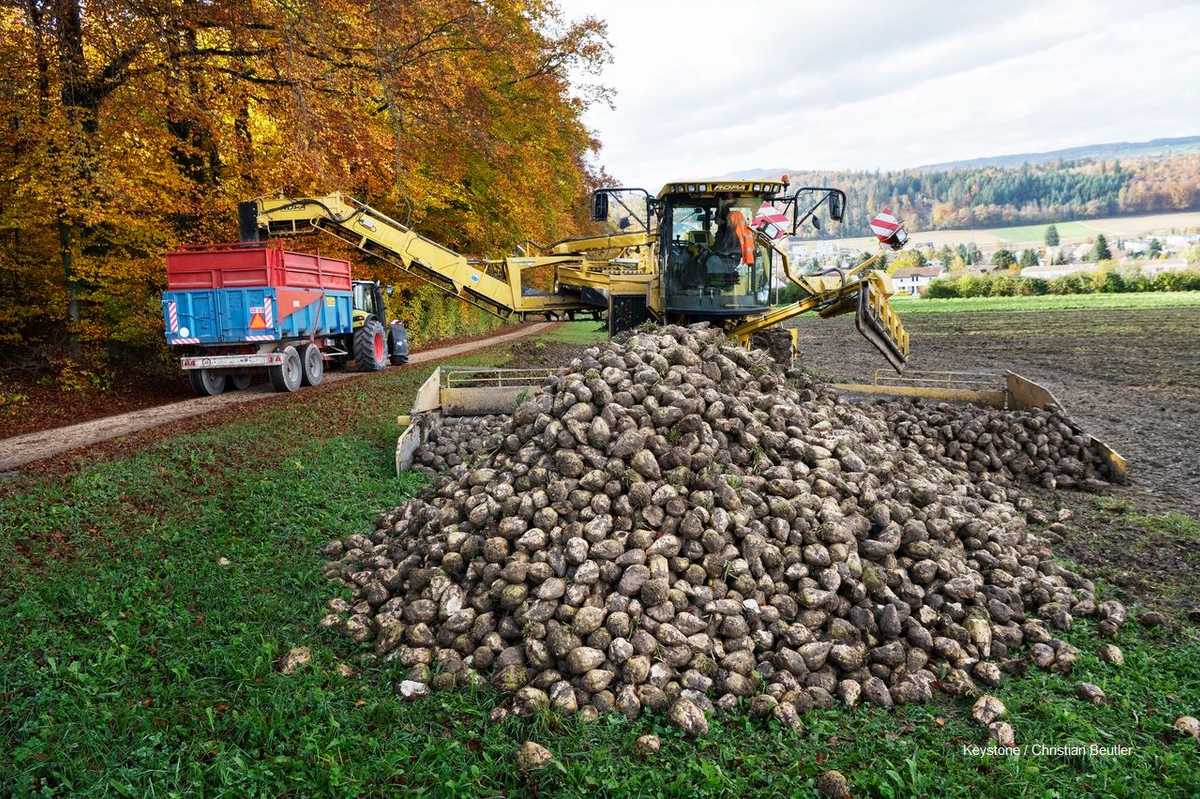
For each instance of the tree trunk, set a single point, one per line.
(66, 246)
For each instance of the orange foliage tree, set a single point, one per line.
(130, 128)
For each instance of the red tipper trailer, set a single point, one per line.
(255, 264)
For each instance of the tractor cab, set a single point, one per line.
(368, 302)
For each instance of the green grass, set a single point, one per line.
(132, 664)
(577, 333)
(1172, 523)
(1036, 234)
(1050, 302)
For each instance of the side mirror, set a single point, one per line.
(837, 206)
(600, 206)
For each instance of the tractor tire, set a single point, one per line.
(205, 383)
(370, 347)
(288, 375)
(314, 365)
(238, 382)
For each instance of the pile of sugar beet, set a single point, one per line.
(676, 524)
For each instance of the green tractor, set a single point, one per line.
(376, 342)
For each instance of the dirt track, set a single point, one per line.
(1130, 377)
(24, 449)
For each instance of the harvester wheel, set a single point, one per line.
(288, 375)
(314, 364)
(238, 382)
(370, 347)
(205, 382)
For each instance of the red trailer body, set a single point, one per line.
(252, 265)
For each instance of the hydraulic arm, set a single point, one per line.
(865, 293)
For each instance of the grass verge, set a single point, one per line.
(133, 664)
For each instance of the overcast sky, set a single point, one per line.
(705, 88)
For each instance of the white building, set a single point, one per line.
(913, 280)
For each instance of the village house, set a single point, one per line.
(913, 280)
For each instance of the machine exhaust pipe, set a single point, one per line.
(248, 221)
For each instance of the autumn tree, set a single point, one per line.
(906, 260)
(1003, 258)
(130, 128)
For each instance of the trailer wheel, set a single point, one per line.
(205, 382)
(314, 364)
(288, 375)
(370, 347)
(238, 382)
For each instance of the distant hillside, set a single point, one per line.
(1080, 183)
(1111, 151)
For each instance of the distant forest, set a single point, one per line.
(1000, 196)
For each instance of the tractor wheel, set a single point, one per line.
(288, 375)
(205, 382)
(370, 347)
(314, 364)
(239, 382)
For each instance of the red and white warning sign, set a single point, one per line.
(887, 229)
(257, 321)
(771, 220)
(885, 224)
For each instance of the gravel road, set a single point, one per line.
(21, 450)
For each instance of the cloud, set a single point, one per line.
(709, 88)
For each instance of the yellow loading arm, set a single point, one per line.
(865, 293)
(379, 235)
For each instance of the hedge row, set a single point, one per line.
(428, 315)
(1100, 282)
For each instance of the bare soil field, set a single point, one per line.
(1129, 376)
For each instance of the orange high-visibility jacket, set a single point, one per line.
(745, 235)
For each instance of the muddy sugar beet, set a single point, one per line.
(457, 441)
(675, 525)
(1039, 447)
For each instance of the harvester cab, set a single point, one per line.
(712, 243)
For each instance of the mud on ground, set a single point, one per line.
(1131, 377)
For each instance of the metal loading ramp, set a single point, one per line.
(1007, 391)
(451, 393)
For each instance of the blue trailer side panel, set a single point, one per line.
(190, 317)
(247, 314)
(255, 314)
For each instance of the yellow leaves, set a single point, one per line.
(447, 112)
